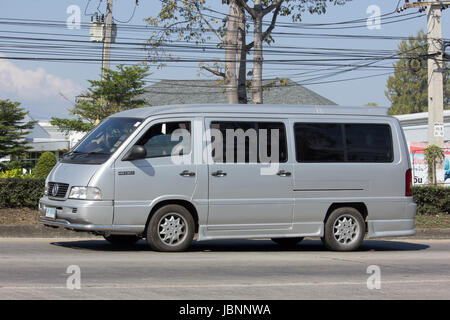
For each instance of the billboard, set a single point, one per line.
(420, 166)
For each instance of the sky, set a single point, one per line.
(48, 88)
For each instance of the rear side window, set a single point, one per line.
(248, 142)
(368, 143)
(338, 142)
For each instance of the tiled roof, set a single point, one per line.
(170, 92)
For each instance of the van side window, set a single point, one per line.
(166, 139)
(368, 143)
(338, 142)
(319, 142)
(248, 142)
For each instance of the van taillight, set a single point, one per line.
(408, 183)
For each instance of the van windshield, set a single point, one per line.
(102, 141)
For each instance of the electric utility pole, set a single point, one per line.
(435, 73)
(108, 38)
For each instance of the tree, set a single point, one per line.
(232, 43)
(231, 47)
(262, 8)
(407, 89)
(44, 165)
(187, 20)
(118, 91)
(13, 129)
(433, 155)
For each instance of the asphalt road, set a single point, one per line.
(250, 269)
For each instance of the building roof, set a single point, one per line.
(170, 92)
(53, 131)
(37, 132)
(413, 119)
(415, 126)
(257, 109)
(41, 139)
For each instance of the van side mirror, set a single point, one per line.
(135, 153)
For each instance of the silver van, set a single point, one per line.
(176, 173)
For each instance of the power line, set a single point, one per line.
(330, 62)
(147, 28)
(132, 14)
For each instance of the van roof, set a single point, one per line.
(146, 112)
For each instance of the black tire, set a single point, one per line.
(287, 242)
(179, 223)
(344, 230)
(122, 240)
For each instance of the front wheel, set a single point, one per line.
(171, 229)
(344, 230)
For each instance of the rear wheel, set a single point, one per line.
(122, 239)
(171, 229)
(344, 230)
(287, 242)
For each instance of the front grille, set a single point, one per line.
(61, 189)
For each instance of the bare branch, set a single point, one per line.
(276, 5)
(206, 21)
(269, 28)
(244, 4)
(67, 99)
(215, 72)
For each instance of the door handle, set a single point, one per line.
(283, 173)
(187, 173)
(219, 173)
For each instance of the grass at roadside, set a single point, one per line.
(19, 216)
(433, 221)
(30, 216)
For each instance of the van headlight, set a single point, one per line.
(85, 193)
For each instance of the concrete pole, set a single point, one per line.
(435, 83)
(108, 38)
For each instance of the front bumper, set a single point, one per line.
(83, 215)
(95, 228)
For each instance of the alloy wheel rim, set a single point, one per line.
(172, 229)
(345, 229)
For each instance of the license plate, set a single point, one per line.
(50, 213)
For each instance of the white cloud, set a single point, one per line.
(33, 85)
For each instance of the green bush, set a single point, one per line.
(21, 192)
(44, 165)
(11, 165)
(432, 199)
(13, 173)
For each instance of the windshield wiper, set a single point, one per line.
(98, 153)
(72, 152)
(87, 153)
